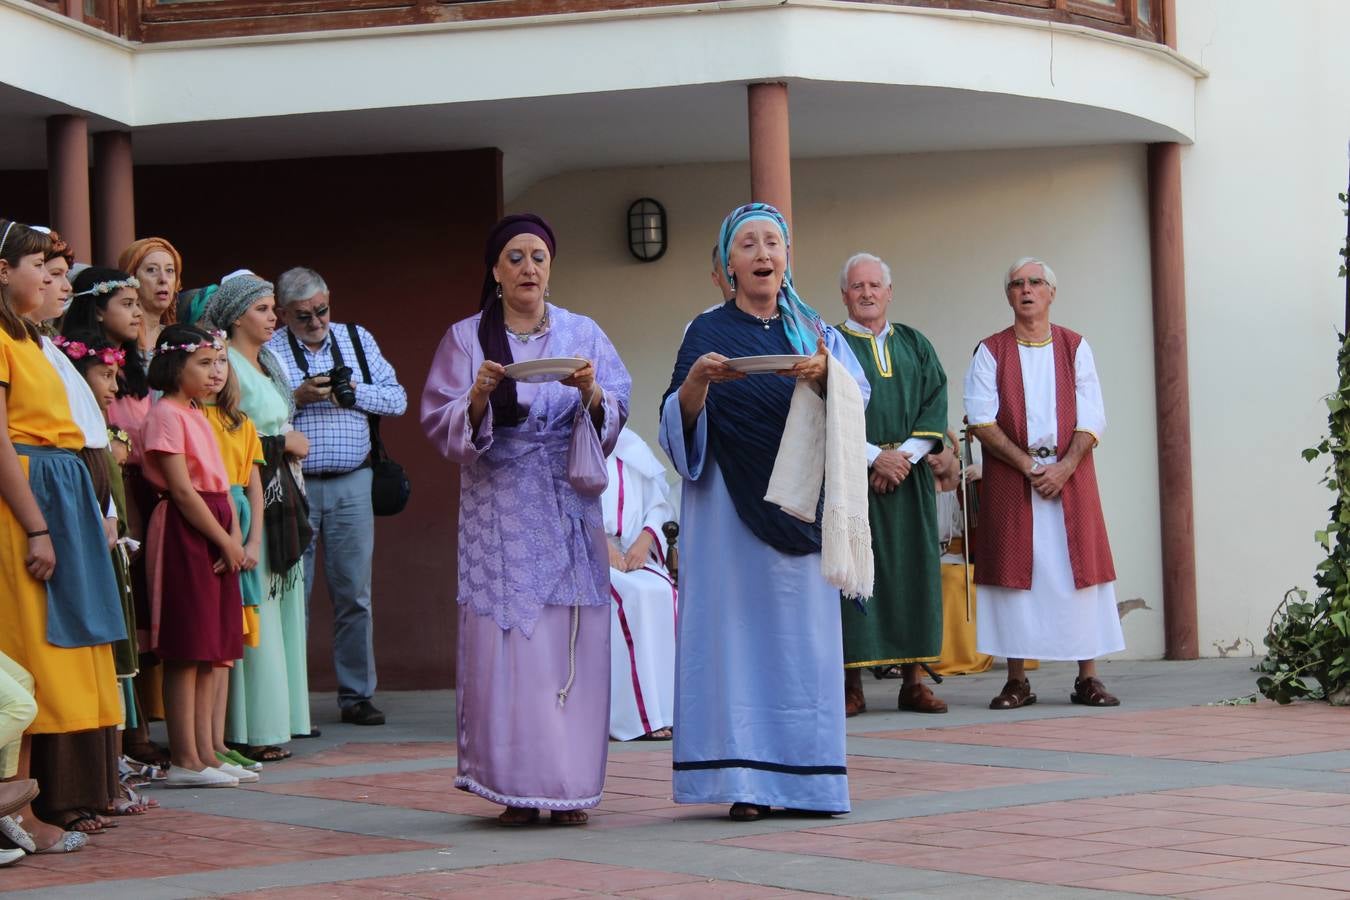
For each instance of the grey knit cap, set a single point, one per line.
(235, 296)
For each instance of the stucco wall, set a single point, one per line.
(949, 224)
(1262, 228)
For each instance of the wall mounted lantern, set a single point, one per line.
(647, 230)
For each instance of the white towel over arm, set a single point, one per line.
(825, 440)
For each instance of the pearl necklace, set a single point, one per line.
(766, 320)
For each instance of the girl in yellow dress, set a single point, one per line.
(58, 595)
(243, 454)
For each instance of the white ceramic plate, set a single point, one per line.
(553, 368)
(759, 365)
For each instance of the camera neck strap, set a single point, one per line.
(302, 362)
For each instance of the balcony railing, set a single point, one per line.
(171, 20)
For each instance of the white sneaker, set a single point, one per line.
(210, 777)
(237, 771)
(10, 857)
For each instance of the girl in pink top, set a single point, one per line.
(194, 551)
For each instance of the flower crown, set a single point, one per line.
(107, 287)
(217, 342)
(77, 350)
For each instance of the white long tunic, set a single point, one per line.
(1054, 619)
(643, 607)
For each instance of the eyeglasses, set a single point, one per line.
(1017, 283)
(319, 312)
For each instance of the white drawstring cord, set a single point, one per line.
(571, 657)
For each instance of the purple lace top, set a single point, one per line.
(526, 538)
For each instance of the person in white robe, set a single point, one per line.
(643, 595)
(1054, 597)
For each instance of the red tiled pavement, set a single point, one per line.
(1167, 842)
(1203, 733)
(637, 786)
(176, 842)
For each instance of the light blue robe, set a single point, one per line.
(759, 667)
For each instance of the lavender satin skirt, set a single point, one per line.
(517, 746)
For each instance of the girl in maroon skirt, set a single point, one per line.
(193, 549)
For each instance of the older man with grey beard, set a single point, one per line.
(333, 401)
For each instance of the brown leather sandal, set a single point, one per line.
(854, 701)
(919, 698)
(748, 812)
(1091, 692)
(1016, 693)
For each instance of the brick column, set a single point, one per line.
(68, 181)
(770, 153)
(114, 202)
(1172, 387)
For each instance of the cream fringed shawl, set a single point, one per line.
(804, 461)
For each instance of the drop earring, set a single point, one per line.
(547, 292)
(499, 290)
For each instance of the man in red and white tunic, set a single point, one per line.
(642, 595)
(1042, 560)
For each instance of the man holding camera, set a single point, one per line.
(333, 400)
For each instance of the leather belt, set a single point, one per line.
(325, 476)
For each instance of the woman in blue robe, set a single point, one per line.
(750, 730)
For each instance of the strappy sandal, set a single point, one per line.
(134, 773)
(512, 817)
(84, 821)
(264, 754)
(563, 818)
(659, 734)
(1091, 692)
(129, 803)
(747, 812)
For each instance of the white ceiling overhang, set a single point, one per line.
(599, 90)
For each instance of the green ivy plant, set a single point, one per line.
(1308, 642)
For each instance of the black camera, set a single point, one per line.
(340, 380)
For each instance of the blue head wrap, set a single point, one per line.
(802, 323)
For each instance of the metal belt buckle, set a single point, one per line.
(1041, 452)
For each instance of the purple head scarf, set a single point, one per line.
(492, 324)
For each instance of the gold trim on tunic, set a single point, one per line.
(891, 662)
(883, 368)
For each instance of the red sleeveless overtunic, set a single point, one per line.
(1004, 538)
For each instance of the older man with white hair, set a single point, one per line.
(906, 419)
(1043, 561)
(340, 379)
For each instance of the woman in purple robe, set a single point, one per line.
(532, 670)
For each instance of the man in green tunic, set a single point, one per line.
(906, 420)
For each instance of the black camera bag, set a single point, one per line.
(389, 484)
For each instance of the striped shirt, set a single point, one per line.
(339, 439)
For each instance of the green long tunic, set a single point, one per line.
(903, 622)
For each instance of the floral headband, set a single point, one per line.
(77, 350)
(107, 287)
(217, 342)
